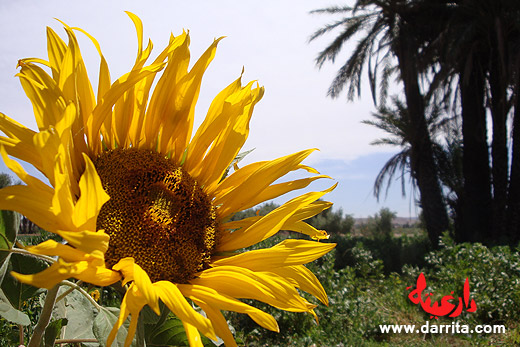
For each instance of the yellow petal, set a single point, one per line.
(62, 200)
(53, 248)
(91, 200)
(139, 30)
(211, 298)
(20, 172)
(46, 145)
(241, 223)
(268, 225)
(22, 199)
(239, 176)
(104, 74)
(238, 282)
(97, 275)
(192, 334)
(132, 303)
(303, 278)
(219, 324)
(15, 130)
(56, 50)
(139, 95)
(47, 99)
(177, 128)
(22, 150)
(132, 328)
(133, 272)
(73, 79)
(47, 278)
(286, 253)
(61, 270)
(226, 131)
(152, 123)
(173, 298)
(259, 180)
(311, 210)
(208, 131)
(87, 241)
(307, 229)
(104, 108)
(162, 103)
(280, 189)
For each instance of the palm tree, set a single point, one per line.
(480, 45)
(389, 44)
(513, 203)
(447, 151)
(394, 122)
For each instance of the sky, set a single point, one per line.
(268, 39)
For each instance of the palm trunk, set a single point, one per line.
(475, 220)
(498, 86)
(513, 203)
(499, 158)
(422, 161)
(513, 226)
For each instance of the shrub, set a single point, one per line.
(394, 252)
(494, 276)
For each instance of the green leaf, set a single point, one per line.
(18, 292)
(52, 331)
(9, 225)
(12, 314)
(103, 323)
(4, 267)
(150, 318)
(79, 312)
(167, 329)
(170, 333)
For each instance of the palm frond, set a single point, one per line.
(332, 10)
(352, 26)
(398, 163)
(351, 72)
(327, 28)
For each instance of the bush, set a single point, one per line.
(362, 296)
(494, 276)
(332, 221)
(394, 252)
(356, 297)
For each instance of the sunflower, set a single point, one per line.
(139, 199)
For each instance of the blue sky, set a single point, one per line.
(269, 39)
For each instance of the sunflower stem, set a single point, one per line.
(139, 338)
(25, 252)
(81, 290)
(20, 334)
(68, 291)
(45, 317)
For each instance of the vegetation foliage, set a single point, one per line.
(366, 279)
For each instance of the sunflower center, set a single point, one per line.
(157, 214)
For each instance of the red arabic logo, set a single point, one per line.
(445, 307)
